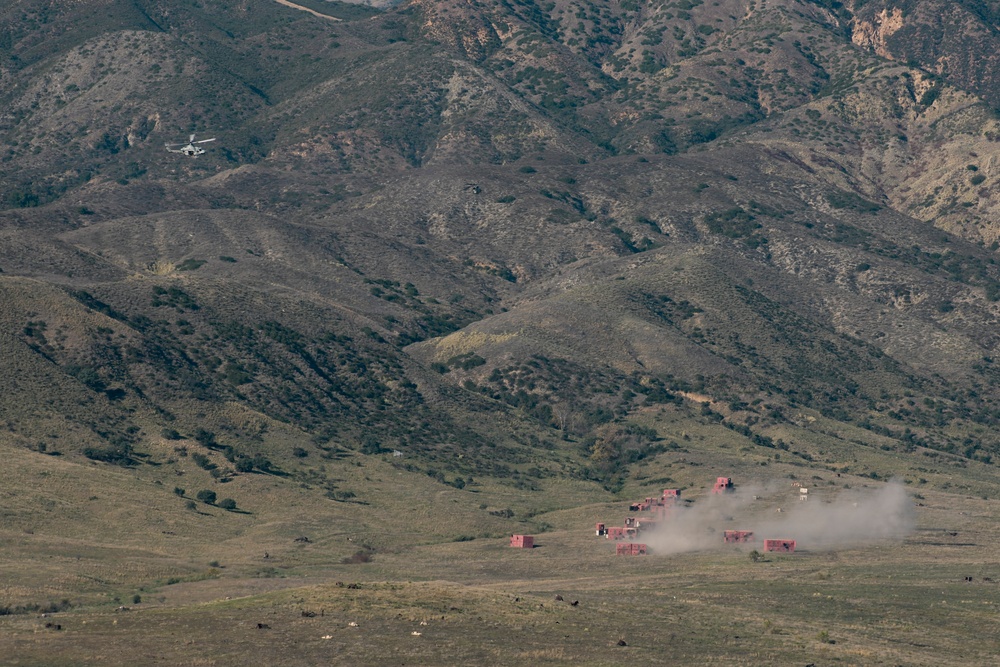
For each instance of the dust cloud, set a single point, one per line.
(825, 521)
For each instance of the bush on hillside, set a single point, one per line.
(206, 496)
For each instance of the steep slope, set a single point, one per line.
(955, 40)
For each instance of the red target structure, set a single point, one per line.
(780, 546)
(737, 536)
(522, 541)
(630, 549)
(723, 485)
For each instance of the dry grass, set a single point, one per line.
(878, 606)
(481, 601)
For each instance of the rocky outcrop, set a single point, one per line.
(874, 34)
(460, 25)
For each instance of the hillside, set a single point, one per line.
(454, 270)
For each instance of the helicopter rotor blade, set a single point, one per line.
(203, 141)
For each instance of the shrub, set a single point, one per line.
(370, 445)
(734, 223)
(206, 496)
(204, 438)
(88, 376)
(31, 608)
(930, 96)
(227, 504)
(120, 454)
(849, 200)
(261, 462)
(202, 461)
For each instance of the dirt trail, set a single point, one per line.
(286, 3)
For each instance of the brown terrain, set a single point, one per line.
(457, 270)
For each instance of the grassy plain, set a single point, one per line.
(415, 556)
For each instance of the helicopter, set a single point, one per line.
(191, 148)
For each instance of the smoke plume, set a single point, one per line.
(850, 518)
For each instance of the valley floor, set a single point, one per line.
(481, 602)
